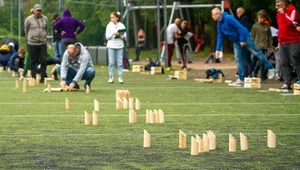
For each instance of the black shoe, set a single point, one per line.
(77, 87)
(179, 62)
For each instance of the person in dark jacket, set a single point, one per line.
(56, 37)
(182, 41)
(16, 61)
(69, 27)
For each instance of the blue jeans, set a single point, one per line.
(250, 45)
(115, 54)
(57, 47)
(259, 66)
(88, 75)
(240, 59)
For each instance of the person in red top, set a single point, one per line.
(288, 41)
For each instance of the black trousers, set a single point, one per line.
(38, 55)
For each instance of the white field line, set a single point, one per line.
(130, 134)
(162, 104)
(174, 115)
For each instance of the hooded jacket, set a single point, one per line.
(232, 28)
(112, 41)
(36, 29)
(287, 31)
(69, 25)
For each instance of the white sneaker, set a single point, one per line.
(277, 76)
(271, 74)
(238, 81)
(120, 80)
(111, 80)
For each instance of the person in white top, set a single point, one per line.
(115, 35)
(171, 36)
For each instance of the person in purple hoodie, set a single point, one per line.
(69, 27)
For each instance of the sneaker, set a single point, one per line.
(277, 76)
(238, 81)
(120, 80)
(111, 80)
(286, 86)
(271, 73)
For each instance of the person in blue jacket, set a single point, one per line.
(16, 61)
(240, 36)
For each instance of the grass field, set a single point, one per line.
(38, 133)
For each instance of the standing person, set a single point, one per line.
(262, 36)
(69, 27)
(76, 65)
(56, 37)
(115, 35)
(247, 22)
(35, 27)
(140, 44)
(229, 26)
(171, 37)
(182, 41)
(288, 40)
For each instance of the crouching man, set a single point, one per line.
(76, 65)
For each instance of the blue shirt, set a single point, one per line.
(232, 28)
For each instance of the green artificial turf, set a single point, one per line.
(37, 132)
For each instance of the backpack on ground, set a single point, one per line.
(4, 49)
(154, 64)
(212, 72)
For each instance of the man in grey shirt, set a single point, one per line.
(35, 27)
(76, 65)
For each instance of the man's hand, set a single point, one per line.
(20, 70)
(281, 10)
(63, 84)
(22, 78)
(298, 28)
(243, 44)
(62, 33)
(217, 54)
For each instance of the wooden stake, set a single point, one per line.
(96, 105)
(131, 101)
(232, 143)
(156, 116)
(17, 84)
(24, 85)
(87, 89)
(119, 104)
(49, 88)
(194, 146)
(182, 139)
(212, 140)
(131, 116)
(244, 142)
(152, 117)
(147, 116)
(161, 116)
(205, 143)
(125, 103)
(200, 144)
(87, 118)
(95, 118)
(67, 104)
(137, 104)
(147, 139)
(271, 139)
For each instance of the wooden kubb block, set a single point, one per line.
(232, 143)
(296, 92)
(243, 142)
(194, 146)
(181, 74)
(138, 68)
(252, 85)
(296, 86)
(182, 139)
(271, 139)
(156, 70)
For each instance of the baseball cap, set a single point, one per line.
(37, 7)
